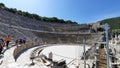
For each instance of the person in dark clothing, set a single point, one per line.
(17, 42)
(1, 45)
(1, 49)
(20, 41)
(24, 40)
(93, 65)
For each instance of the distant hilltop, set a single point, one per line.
(113, 22)
(35, 16)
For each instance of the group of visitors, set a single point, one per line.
(20, 41)
(4, 42)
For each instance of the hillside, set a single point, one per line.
(35, 16)
(113, 22)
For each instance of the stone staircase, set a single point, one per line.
(102, 58)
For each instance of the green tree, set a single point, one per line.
(2, 5)
(61, 21)
(19, 12)
(54, 19)
(36, 16)
(13, 10)
(68, 21)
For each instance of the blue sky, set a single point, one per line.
(81, 11)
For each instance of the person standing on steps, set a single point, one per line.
(7, 39)
(24, 40)
(17, 42)
(2, 44)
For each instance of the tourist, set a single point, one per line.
(7, 39)
(51, 56)
(17, 42)
(24, 40)
(1, 45)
